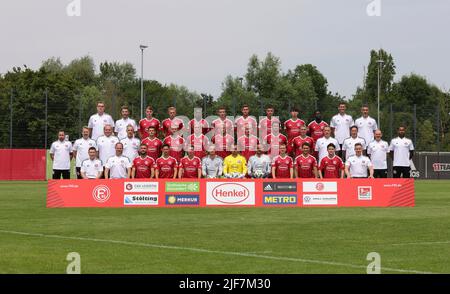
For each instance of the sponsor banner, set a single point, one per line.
(140, 200)
(100, 193)
(279, 187)
(441, 167)
(186, 187)
(183, 199)
(140, 187)
(230, 193)
(364, 192)
(319, 187)
(233, 192)
(320, 199)
(279, 199)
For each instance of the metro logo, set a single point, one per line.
(279, 199)
(239, 193)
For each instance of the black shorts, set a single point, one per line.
(78, 172)
(57, 173)
(401, 171)
(380, 173)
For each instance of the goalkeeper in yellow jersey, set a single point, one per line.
(234, 165)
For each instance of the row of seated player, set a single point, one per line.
(233, 166)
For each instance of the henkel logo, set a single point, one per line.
(101, 193)
(239, 193)
(230, 193)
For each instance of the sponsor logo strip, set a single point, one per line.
(182, 200)
(144, 187)
(183, 187)
(288, 199)
(319, 187)
(140, 199)
(280, 187)
(364, 192)
(227, 193)
(320, 199)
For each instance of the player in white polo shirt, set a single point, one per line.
(122, 124)
(366, 125)
(357, 165)
(91, 168)
(340, 124)
(61, 154)
(377, 151)
(348, 146)
(106, 144)
(402, 151)
(322, 143)
(130, 144)
(118, 166)
(98, 121)
(80, 150)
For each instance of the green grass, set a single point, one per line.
(342, 235)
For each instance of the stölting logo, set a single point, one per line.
(101, 193)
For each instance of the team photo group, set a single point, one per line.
(228, 147)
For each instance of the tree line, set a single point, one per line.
(69, 93)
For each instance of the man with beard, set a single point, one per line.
(143, 165)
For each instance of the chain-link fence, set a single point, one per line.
(33, 121)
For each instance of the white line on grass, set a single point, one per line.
(280, 258)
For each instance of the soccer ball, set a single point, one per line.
(234, 175)
(258, 174)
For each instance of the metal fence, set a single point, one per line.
(31, 122)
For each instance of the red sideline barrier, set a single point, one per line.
(23, 164)
(240, 193)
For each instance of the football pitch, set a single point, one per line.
(35, 239)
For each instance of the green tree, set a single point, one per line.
(387, 74)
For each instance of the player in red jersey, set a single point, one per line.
(245, 121)
(274, 140)
(176, 144)
(297, 142)
(222, 123)
(172, 120)
(143, 165)
(148, 121)
(199, 141)
(305, 165)
(223, 143)
(282, 165)
(331, 166)
(315, 128)
(153, 144)
(198, 120)
(190, 166)
(247, 144)
(166, 166)
(292, 125)
(266, 124)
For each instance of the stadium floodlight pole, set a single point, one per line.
(380, 63)
(142, 47)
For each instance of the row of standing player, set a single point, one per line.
(295, 129)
